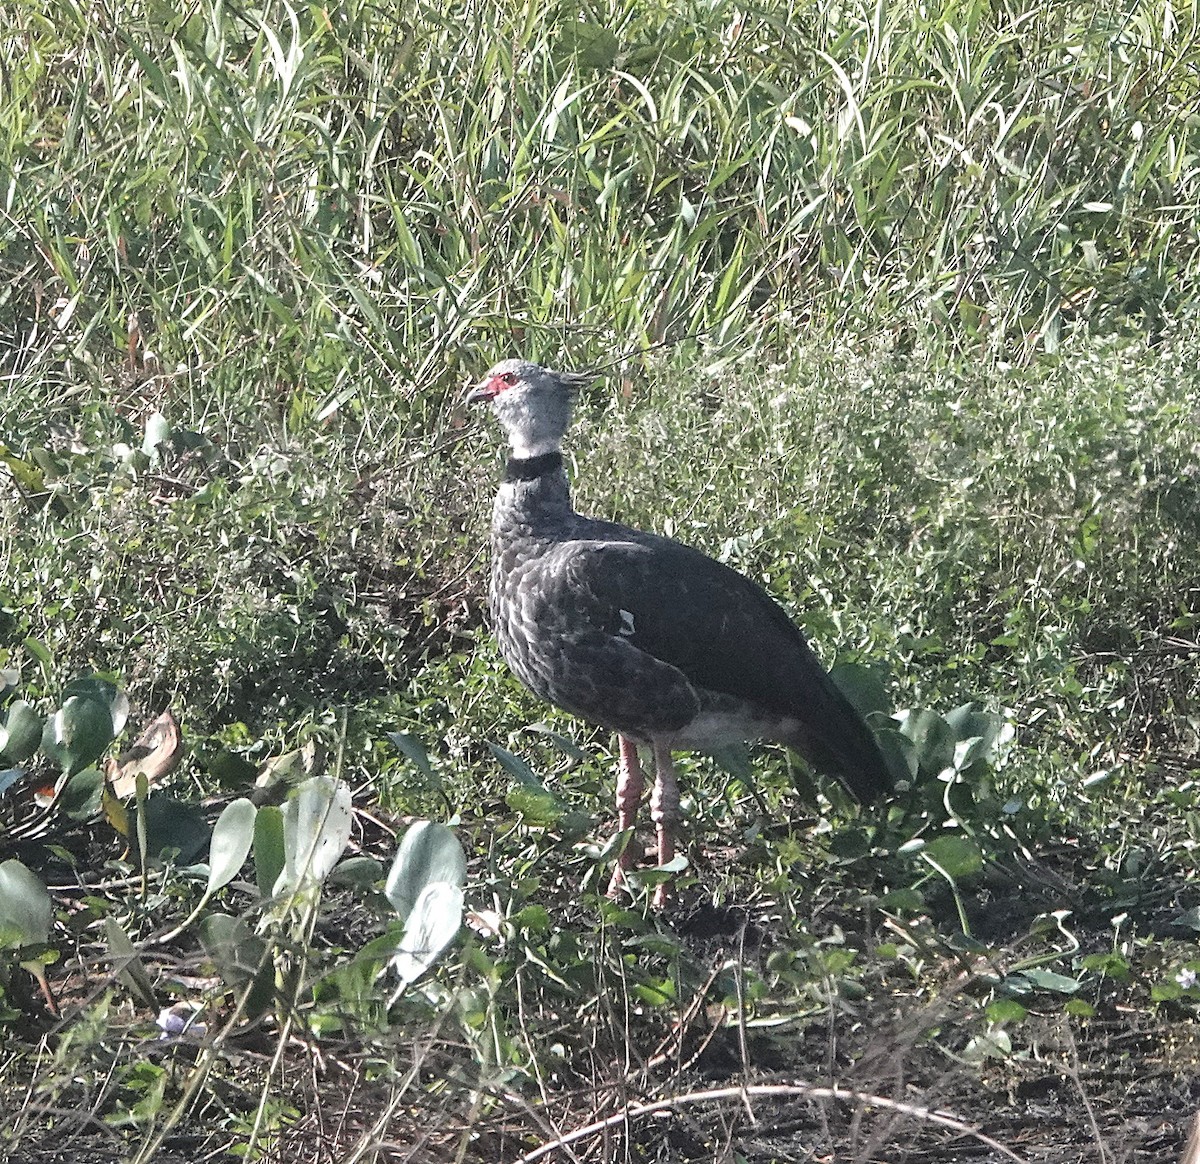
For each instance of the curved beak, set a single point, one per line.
(480, 393)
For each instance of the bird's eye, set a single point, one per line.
(508, 379)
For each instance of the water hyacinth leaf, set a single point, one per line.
(955, 855)
(22, 732)
(995, 1044)
(269, 855)
(898, 750)
(81, 794)
(316, 829)
(174, 827)
(863, 687)
(971, 720)
(241, 960)
(102, 691)
(414, 752)
(1189, 919)
(77, 734)
(232, 836)
(158, 432)
(128, 967)
(1037, 978)
(25, 907)
(431, 926)
(429, 853)
(357, 873)
(932, 740)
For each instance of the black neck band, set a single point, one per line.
(531, 468)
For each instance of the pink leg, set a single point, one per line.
(630, 783)
(664, 811)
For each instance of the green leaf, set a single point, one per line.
(592, 45)
(241, 959)
(429, 852)
(1040, 979)
(414, 752)
(1110, 965)
(22, 732)
(158, 432)
(863, 686)
(25, 907)
(102, 691)
(903, 900)
(269, 854)
(127, 965)
(521, 772)
(536, 806)
(990, 1045)
(1166, 991)
(81, 795)
(957, 856)
(528, 796)
(172, 825)
(316, 828)
(1189, 919)
(971, 721)
(232, 836)
(357, 873)
(932, 739)
(432, 924)
(1006, 1010)
(78, 733)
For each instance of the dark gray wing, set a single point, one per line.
(722, 632)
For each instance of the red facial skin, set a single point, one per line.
(492, 387)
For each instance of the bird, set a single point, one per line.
(644, 635)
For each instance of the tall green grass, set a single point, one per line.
(311, 208)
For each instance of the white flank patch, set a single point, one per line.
(626, 623)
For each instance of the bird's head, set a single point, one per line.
(531, 402)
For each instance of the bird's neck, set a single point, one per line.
(534, 497)
(526, 446)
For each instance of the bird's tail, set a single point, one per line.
(840, 743)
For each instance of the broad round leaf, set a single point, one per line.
(956, 855)
(22, 732)
(25, 907)
(81, 795)
(103, 691)
(77, 734)
(863, 687)
(173, 825)
(357, 873)
(316, 828)
(932, 739)
(432, 925)
(429, 852)
(232, 836)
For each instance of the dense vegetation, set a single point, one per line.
(893, 310)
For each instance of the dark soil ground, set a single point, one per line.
(1118, 1088)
